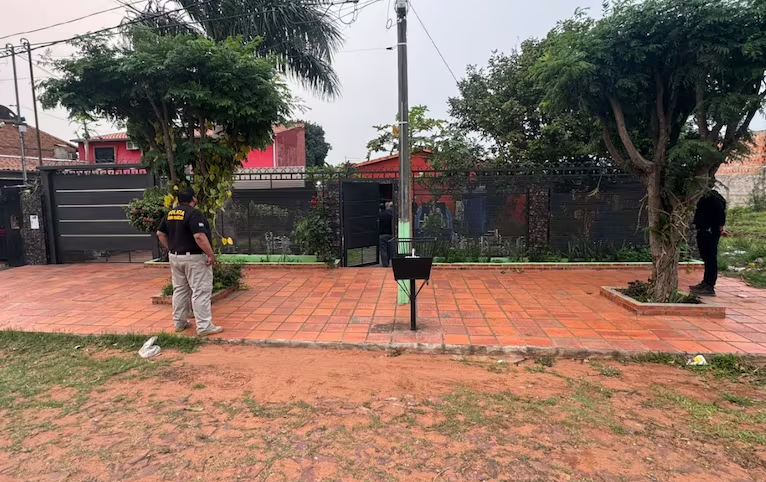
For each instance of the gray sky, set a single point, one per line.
(466, 32)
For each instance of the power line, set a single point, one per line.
(40, 45)
(138, 20)
(433, 42)
(66, 22)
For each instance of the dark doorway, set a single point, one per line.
(360, 203)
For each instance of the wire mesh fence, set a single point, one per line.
(574, 212)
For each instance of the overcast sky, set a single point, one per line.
(466, 32)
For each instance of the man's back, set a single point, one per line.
(181, 223)
(385, 223)
(710, 212)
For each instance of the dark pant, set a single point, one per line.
(707, 243)
(385, 249)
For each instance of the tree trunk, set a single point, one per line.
(664, 240)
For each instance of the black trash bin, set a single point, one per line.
(412, 261)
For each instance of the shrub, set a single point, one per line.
(313, 233)
(145, 214)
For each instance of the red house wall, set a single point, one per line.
(121, 153)
(256, 158)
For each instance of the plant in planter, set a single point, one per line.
(313, 233)
(642, 292)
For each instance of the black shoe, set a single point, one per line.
(704, 290)
(697, 286)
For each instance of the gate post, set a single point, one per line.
(33, 239)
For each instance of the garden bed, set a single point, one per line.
(217, 296)
(255, 261)
(702, 309)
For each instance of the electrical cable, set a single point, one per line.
(66, 22)
(434, 43)
(40, 45)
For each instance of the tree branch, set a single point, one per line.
(618, 158)
(662, 119)
(202, 163)
(165, 133)
(701, 112)
(636, 158)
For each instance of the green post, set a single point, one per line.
(401, 297)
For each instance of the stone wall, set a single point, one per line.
(737, 188)
(741, 176)
(35, 248)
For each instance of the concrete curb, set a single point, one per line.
(445, 349)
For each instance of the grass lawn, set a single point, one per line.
(742, 255)
(89, 409)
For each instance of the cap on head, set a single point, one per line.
(186, 195)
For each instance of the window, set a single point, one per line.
(104, 154)
(132, 146)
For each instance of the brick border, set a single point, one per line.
(528, 352)
(217, 296)
(254, 266)
(706, 309)
(692, 266)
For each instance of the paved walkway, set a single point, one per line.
(480, 308)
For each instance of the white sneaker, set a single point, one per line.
(210, 331)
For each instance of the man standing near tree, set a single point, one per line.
(185, 233)
(709, 221)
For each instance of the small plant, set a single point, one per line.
(737, 400)
(606, 370)
(145, 214)
(167, 290)
(546, 360)
(313, 233)
(227, 276)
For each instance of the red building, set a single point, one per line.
(288, 149)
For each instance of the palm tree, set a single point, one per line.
(299, 34)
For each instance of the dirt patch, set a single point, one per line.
(244, 413)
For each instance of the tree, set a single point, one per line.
(424, 133)
(504, 104)
(194, 106)
(316, 146)
(673, 86)
(299, 34)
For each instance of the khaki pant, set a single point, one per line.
(192, 281)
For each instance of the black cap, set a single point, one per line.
(186, 195)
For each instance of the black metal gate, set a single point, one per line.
(11, 250)
(360, 202)
(85, 214)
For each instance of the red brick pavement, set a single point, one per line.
(479, 308)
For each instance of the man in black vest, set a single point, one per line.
(709, 221)
(385, 233)
(186, 234)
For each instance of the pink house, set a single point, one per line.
(288, 149)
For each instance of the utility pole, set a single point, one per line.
(25, 44)
(405, 163)
(19, 120)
